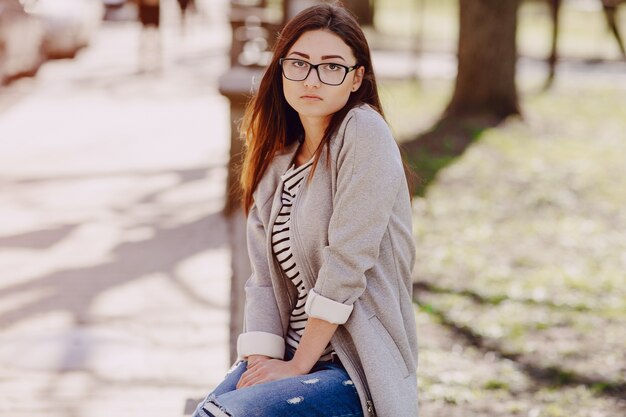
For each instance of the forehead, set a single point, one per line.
(318, 43)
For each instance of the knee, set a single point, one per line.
(213, 409)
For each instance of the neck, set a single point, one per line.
(314, 128)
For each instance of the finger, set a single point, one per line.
(255, 376)
(257, 361)
(246, 377)
(252, 372)
(249, 382)
(242, 380)
(255, 381)
(243, 383)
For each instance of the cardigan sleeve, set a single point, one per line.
(262, 334)
(370, 175)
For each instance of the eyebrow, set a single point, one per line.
(323, 57)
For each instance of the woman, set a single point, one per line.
(329, 324)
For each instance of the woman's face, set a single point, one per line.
(311, 97)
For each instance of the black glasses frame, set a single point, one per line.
(314, 66)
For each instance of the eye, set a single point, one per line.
(333, 67)
(298, 64)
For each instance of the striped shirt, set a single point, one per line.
(281, 247)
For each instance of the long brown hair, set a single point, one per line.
(270, 124)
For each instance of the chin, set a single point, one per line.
(311, 113)
(316, 110)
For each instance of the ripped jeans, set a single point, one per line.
(326, 391)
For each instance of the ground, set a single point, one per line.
(520, 280)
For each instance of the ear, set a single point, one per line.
(359, 73)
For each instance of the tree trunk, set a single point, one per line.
(363, 10)
(610, 13)
(487, 54)
(555, 7)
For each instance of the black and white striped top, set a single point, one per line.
(281, 247)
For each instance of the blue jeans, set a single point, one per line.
(327, 391)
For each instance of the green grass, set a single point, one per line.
(495, 385)
(532, 215)
(521, 240)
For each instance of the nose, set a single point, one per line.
(313, 79)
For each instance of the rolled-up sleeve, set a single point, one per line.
(369, 176)
(262, 325)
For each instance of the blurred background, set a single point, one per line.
(122, 252)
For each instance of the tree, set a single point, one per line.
(487, 54)
(363, 9)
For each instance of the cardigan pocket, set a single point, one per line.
(391, 346)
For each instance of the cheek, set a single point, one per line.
(288, 92)
(340, 97)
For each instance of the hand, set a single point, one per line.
(254, 359)
(267, 370)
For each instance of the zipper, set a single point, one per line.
(296, 236)
(360, 375)
(362, 380)
(286, 283)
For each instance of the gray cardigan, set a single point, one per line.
(351, 233)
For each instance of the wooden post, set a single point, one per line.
(253, 30)
(236, 85)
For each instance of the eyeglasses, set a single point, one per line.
(328, 73)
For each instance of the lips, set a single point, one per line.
(311, 97)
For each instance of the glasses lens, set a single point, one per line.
(298, 70)
(332, 74)
(295, 70)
